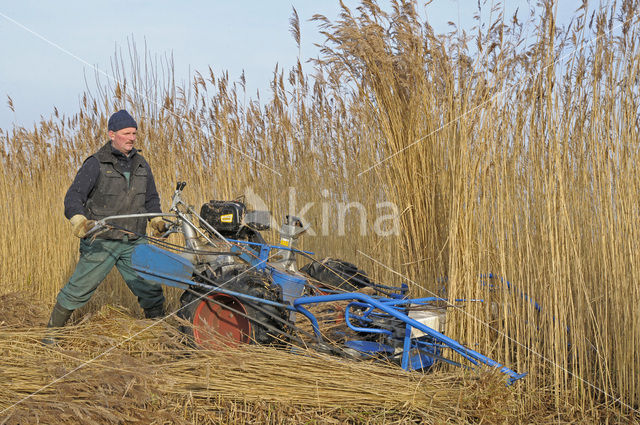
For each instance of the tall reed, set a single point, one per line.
(503, 152)
(515, 159)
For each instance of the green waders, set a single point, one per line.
(97, 258)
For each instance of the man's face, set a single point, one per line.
(123, 139)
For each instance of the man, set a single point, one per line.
(115, 180)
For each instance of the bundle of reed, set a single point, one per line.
(111, 368)
(112, 365)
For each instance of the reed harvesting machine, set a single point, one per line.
(240, 289)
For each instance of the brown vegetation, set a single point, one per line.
(112, 368)
(504, 154)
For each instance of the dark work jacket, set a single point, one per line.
(110, 194)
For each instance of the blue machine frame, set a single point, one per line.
(167, 268)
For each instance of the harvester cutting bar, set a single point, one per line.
(471, 355)
(164, 267)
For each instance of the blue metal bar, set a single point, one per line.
(365, 314)
(406, 347)
(347, 319)
(467, 353)
(311, 317)
(259, 252)
(253, 258)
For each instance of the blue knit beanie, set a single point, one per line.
(120, 120)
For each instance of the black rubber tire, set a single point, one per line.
(254, 284)
(337, 274)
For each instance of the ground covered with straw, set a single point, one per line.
(111, 367)
(510, 147)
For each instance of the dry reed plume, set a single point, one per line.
(505, 152)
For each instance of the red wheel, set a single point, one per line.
(216, 326)
(222, 320)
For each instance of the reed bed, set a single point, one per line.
(503, 151)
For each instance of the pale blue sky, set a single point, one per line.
(227, 35)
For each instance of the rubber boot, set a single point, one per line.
(154, 312)
(59, 316)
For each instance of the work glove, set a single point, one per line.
(81, 225)
(158, 226)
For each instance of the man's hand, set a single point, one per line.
(80, 225)
(158, 226)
